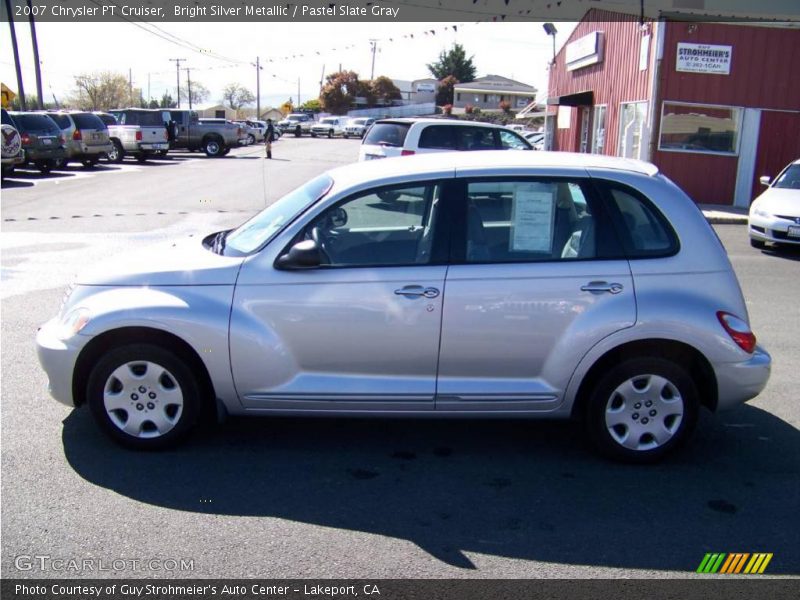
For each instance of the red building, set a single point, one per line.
(713, 105)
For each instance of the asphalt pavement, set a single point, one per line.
(275, 498)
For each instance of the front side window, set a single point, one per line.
(511, 141)
(477, 138)
(383, 227)
(699, 128)
(529, 220)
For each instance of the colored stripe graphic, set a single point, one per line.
(734, 563)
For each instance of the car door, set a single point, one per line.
(538, 278)
(358, 332)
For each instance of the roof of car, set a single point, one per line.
(411, 121)
(485, 159)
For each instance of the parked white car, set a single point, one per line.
(358, 127)
(403, 137)
(329, 127)
(775, 214)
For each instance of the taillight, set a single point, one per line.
(406, 153)
(138, 136)
(738, 330)
(76, 135)
(26, 139)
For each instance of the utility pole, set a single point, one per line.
(298, 91)
(20, 87)
(37, 66)
(130, 87)
(258, 88)
(178, 62)
(148, 89)
(189, 82)
(374, 44)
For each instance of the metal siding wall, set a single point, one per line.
(706, 178)
(615, 80)
(778, 145)
(764, 63)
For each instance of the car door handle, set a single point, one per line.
(602, 286)
(414, 291)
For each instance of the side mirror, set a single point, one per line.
(303, 255)
(764, 179)
(338, 217)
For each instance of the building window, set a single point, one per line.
(599, 130)
(700, 128)
(633, 134)
(458, 96)
(485, 98)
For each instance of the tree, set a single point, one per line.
(312, 105)
(384, 90)
(200, 93)
(454, 62)
(167, 101)
(102, 91)
(444, 94)
(339, 92)
(236, 96)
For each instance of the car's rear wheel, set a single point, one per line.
(44, 166)
(330, 133)
(251, 139)
(142, 157)
(143, 396)
(758, 244)
(89, 163)
(213, 147)
(642, 409)
(116, 154)
(298, 131)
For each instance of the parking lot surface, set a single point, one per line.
(346, 498)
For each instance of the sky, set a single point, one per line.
(223, 53)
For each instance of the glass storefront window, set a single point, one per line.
(700, 128)
(633, 133)
(599, 130)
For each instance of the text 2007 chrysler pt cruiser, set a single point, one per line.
(484, 284)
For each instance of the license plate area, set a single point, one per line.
(793, 231)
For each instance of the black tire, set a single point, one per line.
(653, 385)
(142, 157)
(89, 163)
(60, 163)
(758, 244)
(330, 133)
(251, 139)
(174, 379)
(161, 152)
(344, 135)
(213, 147)
(313, 134)
(298, 131)
(117, 154)
(44, 166)
(226, 151)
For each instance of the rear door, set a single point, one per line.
(537, 279)
(93, 132)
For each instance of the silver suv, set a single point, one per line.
(485, 284)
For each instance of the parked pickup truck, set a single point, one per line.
(139, 132)
(215, 137)
(329, 127)
(297, 123)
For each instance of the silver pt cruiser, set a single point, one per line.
(485, 284)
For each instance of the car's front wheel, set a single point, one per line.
(143, 396)
(116, 154)
(642, 409)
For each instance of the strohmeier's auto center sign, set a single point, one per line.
(704, 58)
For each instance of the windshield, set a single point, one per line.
(257, 231)
(789, 179)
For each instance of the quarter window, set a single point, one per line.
(523, 221)
(384, 227)
(442, 137)
(644, 231)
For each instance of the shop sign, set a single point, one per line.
(704, 58)
(585, 51)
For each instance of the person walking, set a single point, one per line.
(270, 135)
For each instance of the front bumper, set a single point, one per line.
(58, 358)
(772, 229)
(739, 382)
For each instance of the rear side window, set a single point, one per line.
(389, 134)
(644, 231)
(535, 220)
(441, 137)
(511, 141)
(107, 119)
(133, 117)
(62, 120)
(477, 138)
(88, 121)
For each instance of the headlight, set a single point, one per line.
(73, 322)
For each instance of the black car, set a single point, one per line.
(42, 139)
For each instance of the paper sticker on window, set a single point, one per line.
(532, 219)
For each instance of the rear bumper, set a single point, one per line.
(45, 154)
(739, 382)
(86, 151)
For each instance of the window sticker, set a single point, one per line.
(532, 220)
